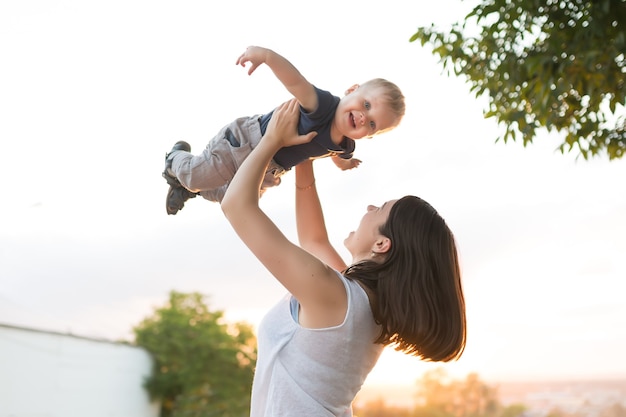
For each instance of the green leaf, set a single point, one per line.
(562, 58)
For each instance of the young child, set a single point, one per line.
(366, 110)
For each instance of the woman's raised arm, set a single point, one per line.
(315, 285)
(312, 232)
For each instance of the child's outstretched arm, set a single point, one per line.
(299, 87)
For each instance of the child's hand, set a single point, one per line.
(346, 164)
(283, 126)
(255, 55)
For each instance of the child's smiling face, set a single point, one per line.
(363, 112)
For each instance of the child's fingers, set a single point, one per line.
(241, 60)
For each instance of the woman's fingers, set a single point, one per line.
(284, 122)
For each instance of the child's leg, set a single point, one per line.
(216, 194)
(271, 179)
(219, 161)
(209, 173)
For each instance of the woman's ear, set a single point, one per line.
(382, 245)
(351, 89)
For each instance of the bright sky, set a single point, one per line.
(92, 95)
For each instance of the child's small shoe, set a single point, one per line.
(177, 194)
(181, 145)
(176, 197)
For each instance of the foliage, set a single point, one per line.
(457, 398)
(616, 410)
(514, 410)
(378, 408)
(203, 367)
(438, 395)
(554, 64)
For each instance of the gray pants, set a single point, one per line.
(210, 173)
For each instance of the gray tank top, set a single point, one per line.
(313, 372)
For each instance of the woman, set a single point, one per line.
(402, 289)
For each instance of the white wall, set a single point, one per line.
(47, 374)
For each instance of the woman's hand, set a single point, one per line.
(283, 126)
